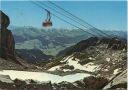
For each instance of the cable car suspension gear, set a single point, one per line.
(47, 22)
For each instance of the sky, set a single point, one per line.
(105, 15)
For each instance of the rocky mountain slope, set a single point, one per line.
(33, 55)
(99, 57)
(118, 81)
(113, 43)
(50, 41)
(92, 64)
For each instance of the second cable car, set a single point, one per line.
(47, 22)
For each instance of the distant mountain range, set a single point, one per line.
(51, 41)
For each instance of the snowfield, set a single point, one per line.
(42, 76)
(71, 62)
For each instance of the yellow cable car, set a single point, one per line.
(47, 22)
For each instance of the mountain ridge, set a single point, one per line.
(51, 41)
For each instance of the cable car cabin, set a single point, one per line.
(47, 22)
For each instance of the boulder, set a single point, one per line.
(6, 83)
(5, 78)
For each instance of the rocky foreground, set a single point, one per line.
(119, 82)
(92, 64)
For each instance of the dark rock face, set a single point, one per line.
(95, 83)
(66, 86)
(118, 82)
(120, 86)
(22, 85)
(38, 87)
(117, 44)
(7, 43)
(7, 86)
(79, 46)
(88, 83)
(113, 43)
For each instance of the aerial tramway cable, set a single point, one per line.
(68, 17)
(63, 19)
(79, 19)
(47, 22)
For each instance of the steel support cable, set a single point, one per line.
(67, 12)
(63, 19)
(79, 19)
(74, 16)
(68, 17)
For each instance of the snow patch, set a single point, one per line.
(91, 67)
(42, 76)
(75, 63)
(115, 71)
(66, 70)
(91, 58)
(107, 59)
(54, 68)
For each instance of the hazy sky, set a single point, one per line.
(109, 15)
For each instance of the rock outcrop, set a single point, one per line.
(7, 46)
(7, 43)
(82, 45)
(113, 43)
(23, 85)
(118, 82)
(88, 83)
(5, 78)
